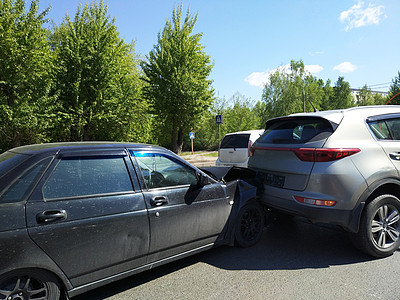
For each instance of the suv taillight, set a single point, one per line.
(324, 155)
(314, 154)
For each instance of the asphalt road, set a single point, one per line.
(294, 260)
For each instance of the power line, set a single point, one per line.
(378, 84)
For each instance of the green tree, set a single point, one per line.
(176, 73)
(98, 80)
(328, 95)
(239, 115)
(291, 92)
(25, 79)
(364, 97)
(341, 95)
(394, 90)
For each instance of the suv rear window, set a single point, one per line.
(296, 131)
(235, 141)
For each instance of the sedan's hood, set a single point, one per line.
(227, 174)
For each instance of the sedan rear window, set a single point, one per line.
(296, 131)
(235, 141)
(88, 176)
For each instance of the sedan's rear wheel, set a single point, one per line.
(29, 285)
(249, 224)
(379, 233)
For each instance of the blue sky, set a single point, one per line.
(359, 40)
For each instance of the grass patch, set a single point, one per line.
(212, 154)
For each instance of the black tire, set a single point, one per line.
(249, 224)
(379, 227)
(29, 285)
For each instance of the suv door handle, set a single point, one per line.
(51, 216)
(159, 200)
(395, 155)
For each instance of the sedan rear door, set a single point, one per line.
(87, 215)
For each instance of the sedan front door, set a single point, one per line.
(184, 215)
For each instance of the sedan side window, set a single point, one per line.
(23, 185)
(74, 177)
(162, 171)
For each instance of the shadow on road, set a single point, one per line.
(287, 245)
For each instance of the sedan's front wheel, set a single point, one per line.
(379, 233)
(249, 224)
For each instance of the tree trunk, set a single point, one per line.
(180, 140)
(174, 134)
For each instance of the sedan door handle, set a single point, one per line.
(159, 200)
(49, 216)
(395, 155)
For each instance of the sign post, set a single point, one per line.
(191, 136)
(218, 120)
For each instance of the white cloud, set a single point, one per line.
(358, 15)
(313, 69)
(345, 67)
(260, 79)
(315, 53)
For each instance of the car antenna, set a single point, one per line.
(315, 110)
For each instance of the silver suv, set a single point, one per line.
(338, 167)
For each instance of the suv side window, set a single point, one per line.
(81, 176)
(380, 130)
(394, 128)
(388, 129)
(163, 171)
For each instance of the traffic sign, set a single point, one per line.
(191, 135)
(218, 119)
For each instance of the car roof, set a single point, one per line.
(76, 146)
(359, 111)
(247, 131)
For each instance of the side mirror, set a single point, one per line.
(202, 180)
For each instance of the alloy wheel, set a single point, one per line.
(385, 226)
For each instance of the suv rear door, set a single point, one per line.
(283, 154)
(386, 130)
(234, 148)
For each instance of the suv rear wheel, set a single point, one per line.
(380, 227)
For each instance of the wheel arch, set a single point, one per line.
(29, 257)
(241, 193)
(384, 186)
(39, 273)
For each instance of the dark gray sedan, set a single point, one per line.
(75, 216)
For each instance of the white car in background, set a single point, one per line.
(235, 148)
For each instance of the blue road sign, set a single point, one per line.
(218, 119)
(191, 135)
